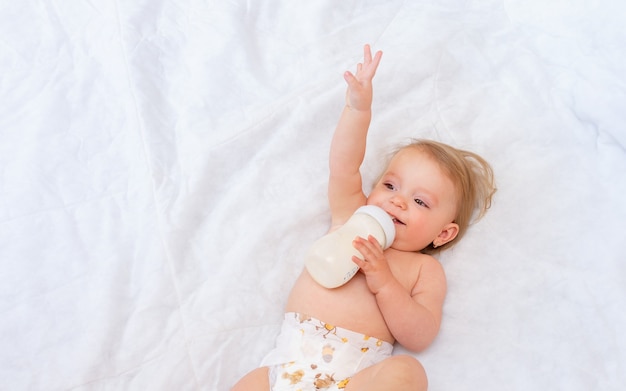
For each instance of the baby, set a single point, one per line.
(342, 338)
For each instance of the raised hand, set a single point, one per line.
(359, 94)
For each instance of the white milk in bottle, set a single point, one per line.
(329, 261)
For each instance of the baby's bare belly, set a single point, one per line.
(351, 306)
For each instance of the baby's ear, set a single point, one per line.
(447, 234)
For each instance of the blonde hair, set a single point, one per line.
(473, 180)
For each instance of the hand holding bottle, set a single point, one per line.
(372, 263)
(330, 259)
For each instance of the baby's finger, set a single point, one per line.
(367, 53)
(350, 78)
(377, 57)
(359, 262)
(366, 248)
(371, 239)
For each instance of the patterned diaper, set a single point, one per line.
(313, 355)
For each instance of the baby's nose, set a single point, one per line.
(398, 201)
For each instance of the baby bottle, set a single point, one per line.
(329, 261)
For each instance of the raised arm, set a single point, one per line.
(345, 193)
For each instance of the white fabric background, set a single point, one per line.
(163, 170)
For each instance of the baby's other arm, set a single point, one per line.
(414, 318)
(414, 315)
(347, 149)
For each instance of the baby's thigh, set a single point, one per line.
(257, 380)
(400, 372)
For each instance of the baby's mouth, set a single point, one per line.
(396, 221)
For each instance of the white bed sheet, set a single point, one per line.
(163, 170)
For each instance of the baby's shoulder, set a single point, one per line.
(412, 259)
(411, 267)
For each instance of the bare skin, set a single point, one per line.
(398, 294)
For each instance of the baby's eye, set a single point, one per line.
(388, 186)
(420, 202)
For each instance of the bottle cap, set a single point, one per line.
(383, 219)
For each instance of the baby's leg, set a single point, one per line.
(257, 380)
(396, 373)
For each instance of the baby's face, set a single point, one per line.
(420, 198)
